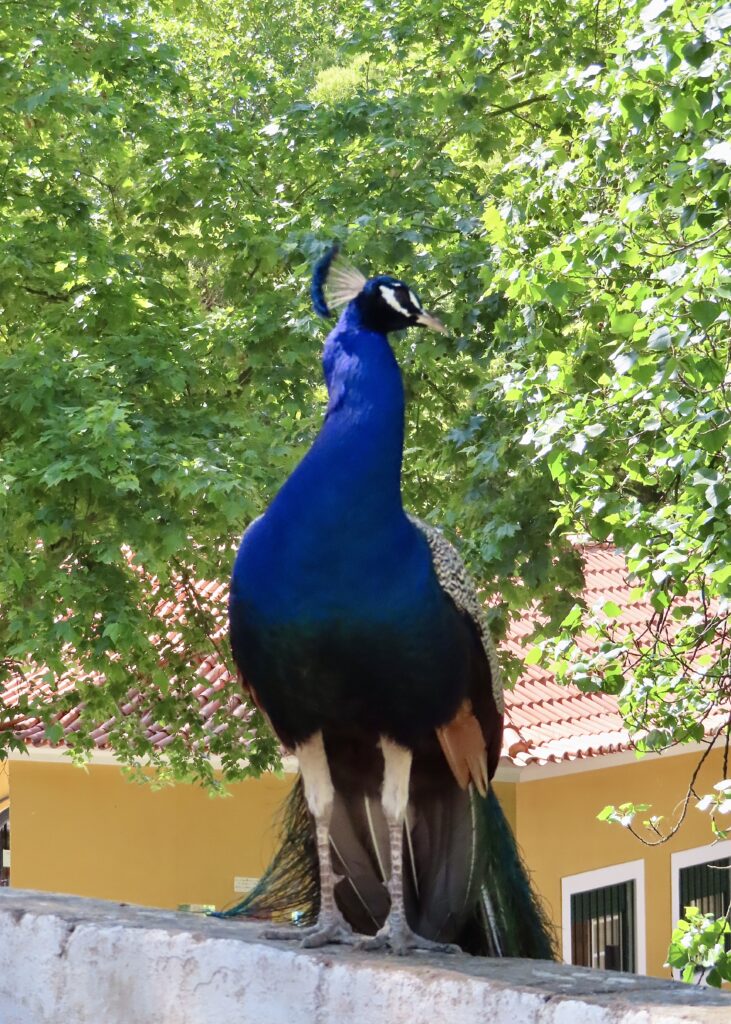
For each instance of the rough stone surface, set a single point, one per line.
(81, 961)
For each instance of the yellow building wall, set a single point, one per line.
(93, 833)
(4, 781)
(555, 820)
(506, 794)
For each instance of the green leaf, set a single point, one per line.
(573, 617)
(533, 656)
(705, 312)
(623, 323)
(54, 733)
(556, 469)
(689, 972)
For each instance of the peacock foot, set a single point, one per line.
(400, 939)
(329, 928)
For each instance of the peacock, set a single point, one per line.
(359, 635)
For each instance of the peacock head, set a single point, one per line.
(385, 303)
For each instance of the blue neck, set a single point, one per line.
(354, 466)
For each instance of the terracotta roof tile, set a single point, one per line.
(545, 721)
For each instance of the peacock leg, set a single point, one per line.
(396, 933)
(330, 926)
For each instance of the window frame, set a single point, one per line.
(4, 862)
(689, 859)
(615, 874)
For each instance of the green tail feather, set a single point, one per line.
(519, 922)
(290, 883)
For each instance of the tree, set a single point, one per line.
(554, 181)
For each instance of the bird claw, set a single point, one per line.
(324, 934)
(327, 929)
(401, 940)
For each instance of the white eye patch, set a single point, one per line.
(415, 302)
(389, 296)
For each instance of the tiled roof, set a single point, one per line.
(545, 721)
(548, 722)
(217, 690)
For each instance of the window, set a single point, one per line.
(5, 847)
(702, 878)
(604, 918)
(603, 927)
(706, 886)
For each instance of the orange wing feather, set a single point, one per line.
(463, 745)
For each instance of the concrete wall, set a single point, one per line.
(83, 961)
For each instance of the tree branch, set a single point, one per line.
(496, 110)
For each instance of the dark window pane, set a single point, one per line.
(4, 845)
(603, 927)
(708, 887)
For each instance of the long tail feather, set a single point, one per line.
(291, 882)
(493, 939)
(473, 847)
(348, 880)
(375, 840)
(410, 848)
(357, 841)
(521, 924)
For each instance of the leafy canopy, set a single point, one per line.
(554, 180)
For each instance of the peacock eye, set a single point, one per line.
(397, 297)
(407, 299)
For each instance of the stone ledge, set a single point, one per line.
(78, 961)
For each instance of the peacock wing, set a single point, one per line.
(471, 742)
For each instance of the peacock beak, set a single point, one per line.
(427, 320)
